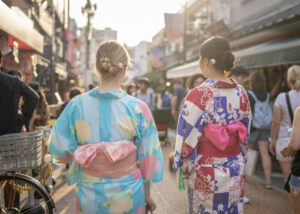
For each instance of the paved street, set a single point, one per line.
(170, 201)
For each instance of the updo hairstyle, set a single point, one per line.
(293, 77)
(111, 59)
(217, 50)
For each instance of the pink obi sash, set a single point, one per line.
(108, 159)
(222, 141)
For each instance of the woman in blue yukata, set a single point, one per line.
(211, 137)
(112, 141)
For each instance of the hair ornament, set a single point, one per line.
(120, 65)
(212, 61)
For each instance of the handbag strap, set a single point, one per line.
(288, 101)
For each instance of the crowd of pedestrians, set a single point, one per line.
(111, 139)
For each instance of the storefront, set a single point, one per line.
(184, 70)
(19, 42)
(276, 53)
(20, 28)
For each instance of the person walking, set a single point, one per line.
(293, 149)
(211, 137)
(112, 140)
(145, 93)
(284, 108)
(41, 113)
(73, 93)
(240, 74)
(194, 81)
(11, 89)
(179, 94)
(262, 118)
(131, 89)
(162, 97)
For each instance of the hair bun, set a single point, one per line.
(105, 64)
(227, 60)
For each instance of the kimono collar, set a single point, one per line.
(116, 94)
(221, 83)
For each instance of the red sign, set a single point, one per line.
(174, 28)
(21, 45)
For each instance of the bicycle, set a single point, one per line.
(19, 192)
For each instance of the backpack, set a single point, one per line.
(166, 101)
(262, 116)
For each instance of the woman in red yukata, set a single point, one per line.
(211, 141)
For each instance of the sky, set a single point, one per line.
(135, 20)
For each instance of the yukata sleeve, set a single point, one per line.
(62, 140)
(246, 119)
(193, 117)
(149, 154)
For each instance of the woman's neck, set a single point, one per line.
(216, 75)
(109, 85)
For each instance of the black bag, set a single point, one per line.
(287, 183)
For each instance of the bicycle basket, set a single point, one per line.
(21, 151)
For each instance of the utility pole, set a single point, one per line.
(88, 39)
(89, 9)
(184, 30)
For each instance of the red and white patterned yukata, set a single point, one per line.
(211, 146)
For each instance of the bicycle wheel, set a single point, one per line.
(21, 193)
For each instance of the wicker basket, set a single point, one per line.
(21, 151)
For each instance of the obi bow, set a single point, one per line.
(219, 135)
(114, 151)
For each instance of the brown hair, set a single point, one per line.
(293, 77)
(217, 49)
(132, 85)
(74, 92)
(111, 59)
(257, 81)
(190, 81)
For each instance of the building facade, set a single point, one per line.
(98, 36)
(246, 24)
(35, 32)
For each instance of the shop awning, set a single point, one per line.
(270, 54)
(184, 70)
(60, 69)
(15, 26)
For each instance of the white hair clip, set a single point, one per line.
(212, 61)
(120, 65)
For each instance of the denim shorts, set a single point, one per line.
(262, 135)
(295, 182)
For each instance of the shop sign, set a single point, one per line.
(61, 71)
(4, 47)
(16, 52)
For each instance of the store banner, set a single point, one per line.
(156, 54)
(174, 27)
(73, 43)
(70, 51)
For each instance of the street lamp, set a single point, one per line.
(88, 9)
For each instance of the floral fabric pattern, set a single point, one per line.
(94, 118)
(215, 184)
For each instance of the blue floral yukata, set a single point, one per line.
(111, 127)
